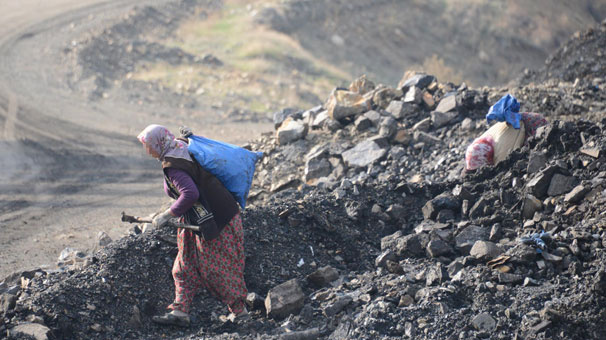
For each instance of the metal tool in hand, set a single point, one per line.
(137, 219)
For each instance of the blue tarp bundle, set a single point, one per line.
(505, 110)
(234, 166)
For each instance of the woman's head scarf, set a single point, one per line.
(161, 140)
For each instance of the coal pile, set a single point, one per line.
(361, 220)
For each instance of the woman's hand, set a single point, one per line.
(161, 219)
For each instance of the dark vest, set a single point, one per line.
(214, 198)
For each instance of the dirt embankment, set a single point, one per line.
(483, 43)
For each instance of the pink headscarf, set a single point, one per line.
(163, 142)
(479, 153)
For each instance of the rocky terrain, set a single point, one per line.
(361, 225)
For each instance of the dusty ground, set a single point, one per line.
(70, 165)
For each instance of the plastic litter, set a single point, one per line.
(505, 110)
(537, 239)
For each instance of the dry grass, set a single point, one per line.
(263, 70)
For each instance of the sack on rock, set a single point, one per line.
(234, 166)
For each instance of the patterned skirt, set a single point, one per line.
(217, 265)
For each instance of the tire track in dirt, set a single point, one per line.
(11, 116)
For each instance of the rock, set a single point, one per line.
(290, 131)
(414, 95)
(316, 168)
(342, 104)
(484, 322)
(419, 80)
(284, 299)
(254, 301)
(536, 162)
(387, 128)
(510, 278)
(468, 124)
(135, 319)
(103, 239)
(440, 119)
(420, 136)
(478, 209)
(308, 334)
(399, 109)
(363, 154)
(362, 85)
(443, 201)
(406, 300)
(485, 250)
(323, 276)
(7, 303)
(436, 275)
(335, 308)
(362, 123)
(466, 239)
(373, 116)
(30, 330)
(402, 136)
(282, 115)
(447, 104)
(540, 183)
(530, 206)
(387, 255)
(560, 184)
(320, 119)
(592, 152)
(383, 97)
(389, 242)
(410, 245)
(576, 194)
(423, 125)
(437, 248)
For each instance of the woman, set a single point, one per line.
(510, 133)
(212, 259)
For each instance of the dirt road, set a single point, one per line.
(69, 166)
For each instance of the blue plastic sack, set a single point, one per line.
(234, 166)
(505, 110)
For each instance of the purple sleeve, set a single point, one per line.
(187, 188)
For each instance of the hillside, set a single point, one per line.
(370, 217)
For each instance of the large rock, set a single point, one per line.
(447, 104)
(282, 115)
(7, 303)
(530, 206)
(342, 104)
(485, 250)
(411, 245)
(399, 109)
(560, 184)
(440, 202)
(414, 95)
(284, 299)
(539, 184)
(323, 276)
(29, 331)
(576, 194)
(316, 168)
(536, 162)
(484, 322)
(419, 80)
(440, 119)
(363, 154)
(290, 131)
